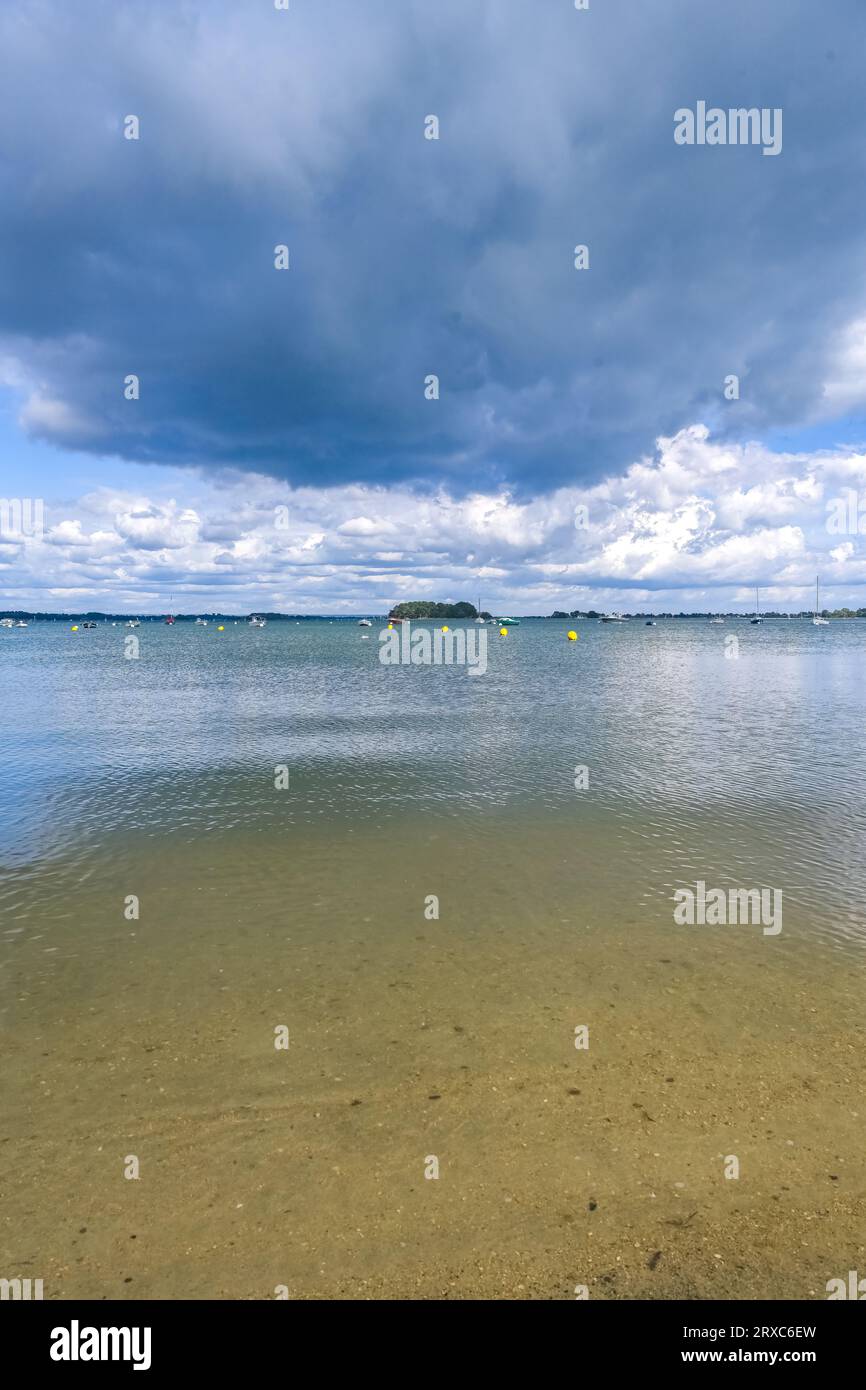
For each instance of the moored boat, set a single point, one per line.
(757, 618)
(818, 620)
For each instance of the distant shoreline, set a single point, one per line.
(805, 616)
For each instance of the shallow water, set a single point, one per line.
(305, 907)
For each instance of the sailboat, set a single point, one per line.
(757, 618)
(479, 618)
(818, 621)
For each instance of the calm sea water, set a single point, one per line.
(744, 772)
(414, 1034)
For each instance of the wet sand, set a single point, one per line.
(412, 1038)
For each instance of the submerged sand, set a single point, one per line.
(410, 1038)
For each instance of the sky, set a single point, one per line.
(286, 451)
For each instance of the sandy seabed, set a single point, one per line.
(302, 1170)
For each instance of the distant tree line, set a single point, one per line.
(423, 609)
(768, 613)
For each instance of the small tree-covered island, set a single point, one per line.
(424, 609)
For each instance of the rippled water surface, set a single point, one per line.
(741, 771)
(451, 1032)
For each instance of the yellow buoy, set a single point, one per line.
(75, 629)
(220, 629)
(503, 632)
(573, 637)
(390, 627)
(444, 629)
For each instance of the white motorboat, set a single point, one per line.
(7, 622)
(365, 622)
(612, 618)
(257, 622)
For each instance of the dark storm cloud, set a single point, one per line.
(412, 257)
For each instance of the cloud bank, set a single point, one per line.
(695, 525)
(411, 257)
